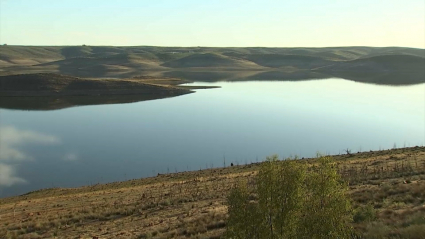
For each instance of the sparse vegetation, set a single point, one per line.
(387, 190)
(47, 84)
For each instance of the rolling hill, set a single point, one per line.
(209, 60)
(48, 84)
(366, 64)
(383, 69)
(279, 60)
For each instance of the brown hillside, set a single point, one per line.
(47, 84)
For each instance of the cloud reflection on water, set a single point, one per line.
(11, 139)
(7, 176)
(70, 157)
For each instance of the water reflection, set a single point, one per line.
(11, 138)
(70, 157)
(55, 103)
(11, 154)
(215, 76)
(242, 122)
(396, 78)
(8, 177)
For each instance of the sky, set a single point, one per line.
(215, 23)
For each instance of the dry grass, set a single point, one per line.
(47, 84)
(387, 188)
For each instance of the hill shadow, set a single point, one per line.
(384, 70)
(56, 103)
(370, 77)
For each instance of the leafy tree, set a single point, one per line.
(328, 210)
(243, 215)
(280, 189)
(293, 202)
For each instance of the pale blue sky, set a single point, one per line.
(269, 23)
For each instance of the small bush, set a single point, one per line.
(165, 203)
(377, 230)
(365, 214)
(144, 236)
(413, 232)
(415, 219)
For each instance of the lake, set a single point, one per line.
(241, 122)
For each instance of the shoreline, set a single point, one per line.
(227, 169)
(194, 202)
(56, 85)
(52, 91)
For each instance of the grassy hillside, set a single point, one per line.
(22, 55)
(387, 188)
(125, 62)
(163, 54)
(380, 63)
(388, 69)
(99, 65)
(275, 75)
(55, 91)
(280, 60)
(209, 60)
(48, 84)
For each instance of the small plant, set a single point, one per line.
(377, 230)
(365, 214)
(348, 151)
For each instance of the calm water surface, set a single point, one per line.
(242, 122)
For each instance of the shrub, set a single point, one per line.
(366, 213)
(327, 210)
(293, 202)
(413, 232)
(377, 230)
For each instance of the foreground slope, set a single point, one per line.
(193, 204)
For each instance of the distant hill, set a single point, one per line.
(209, 60)
(214, 76)
(23, 55)
(380, 63)
(388, 69)
(366, 64)
(279, 60)
(98, 66)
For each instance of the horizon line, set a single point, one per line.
(88, 45)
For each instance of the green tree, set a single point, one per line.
(293, 202)
(243, 215)
(328, 210)
(280, 189)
